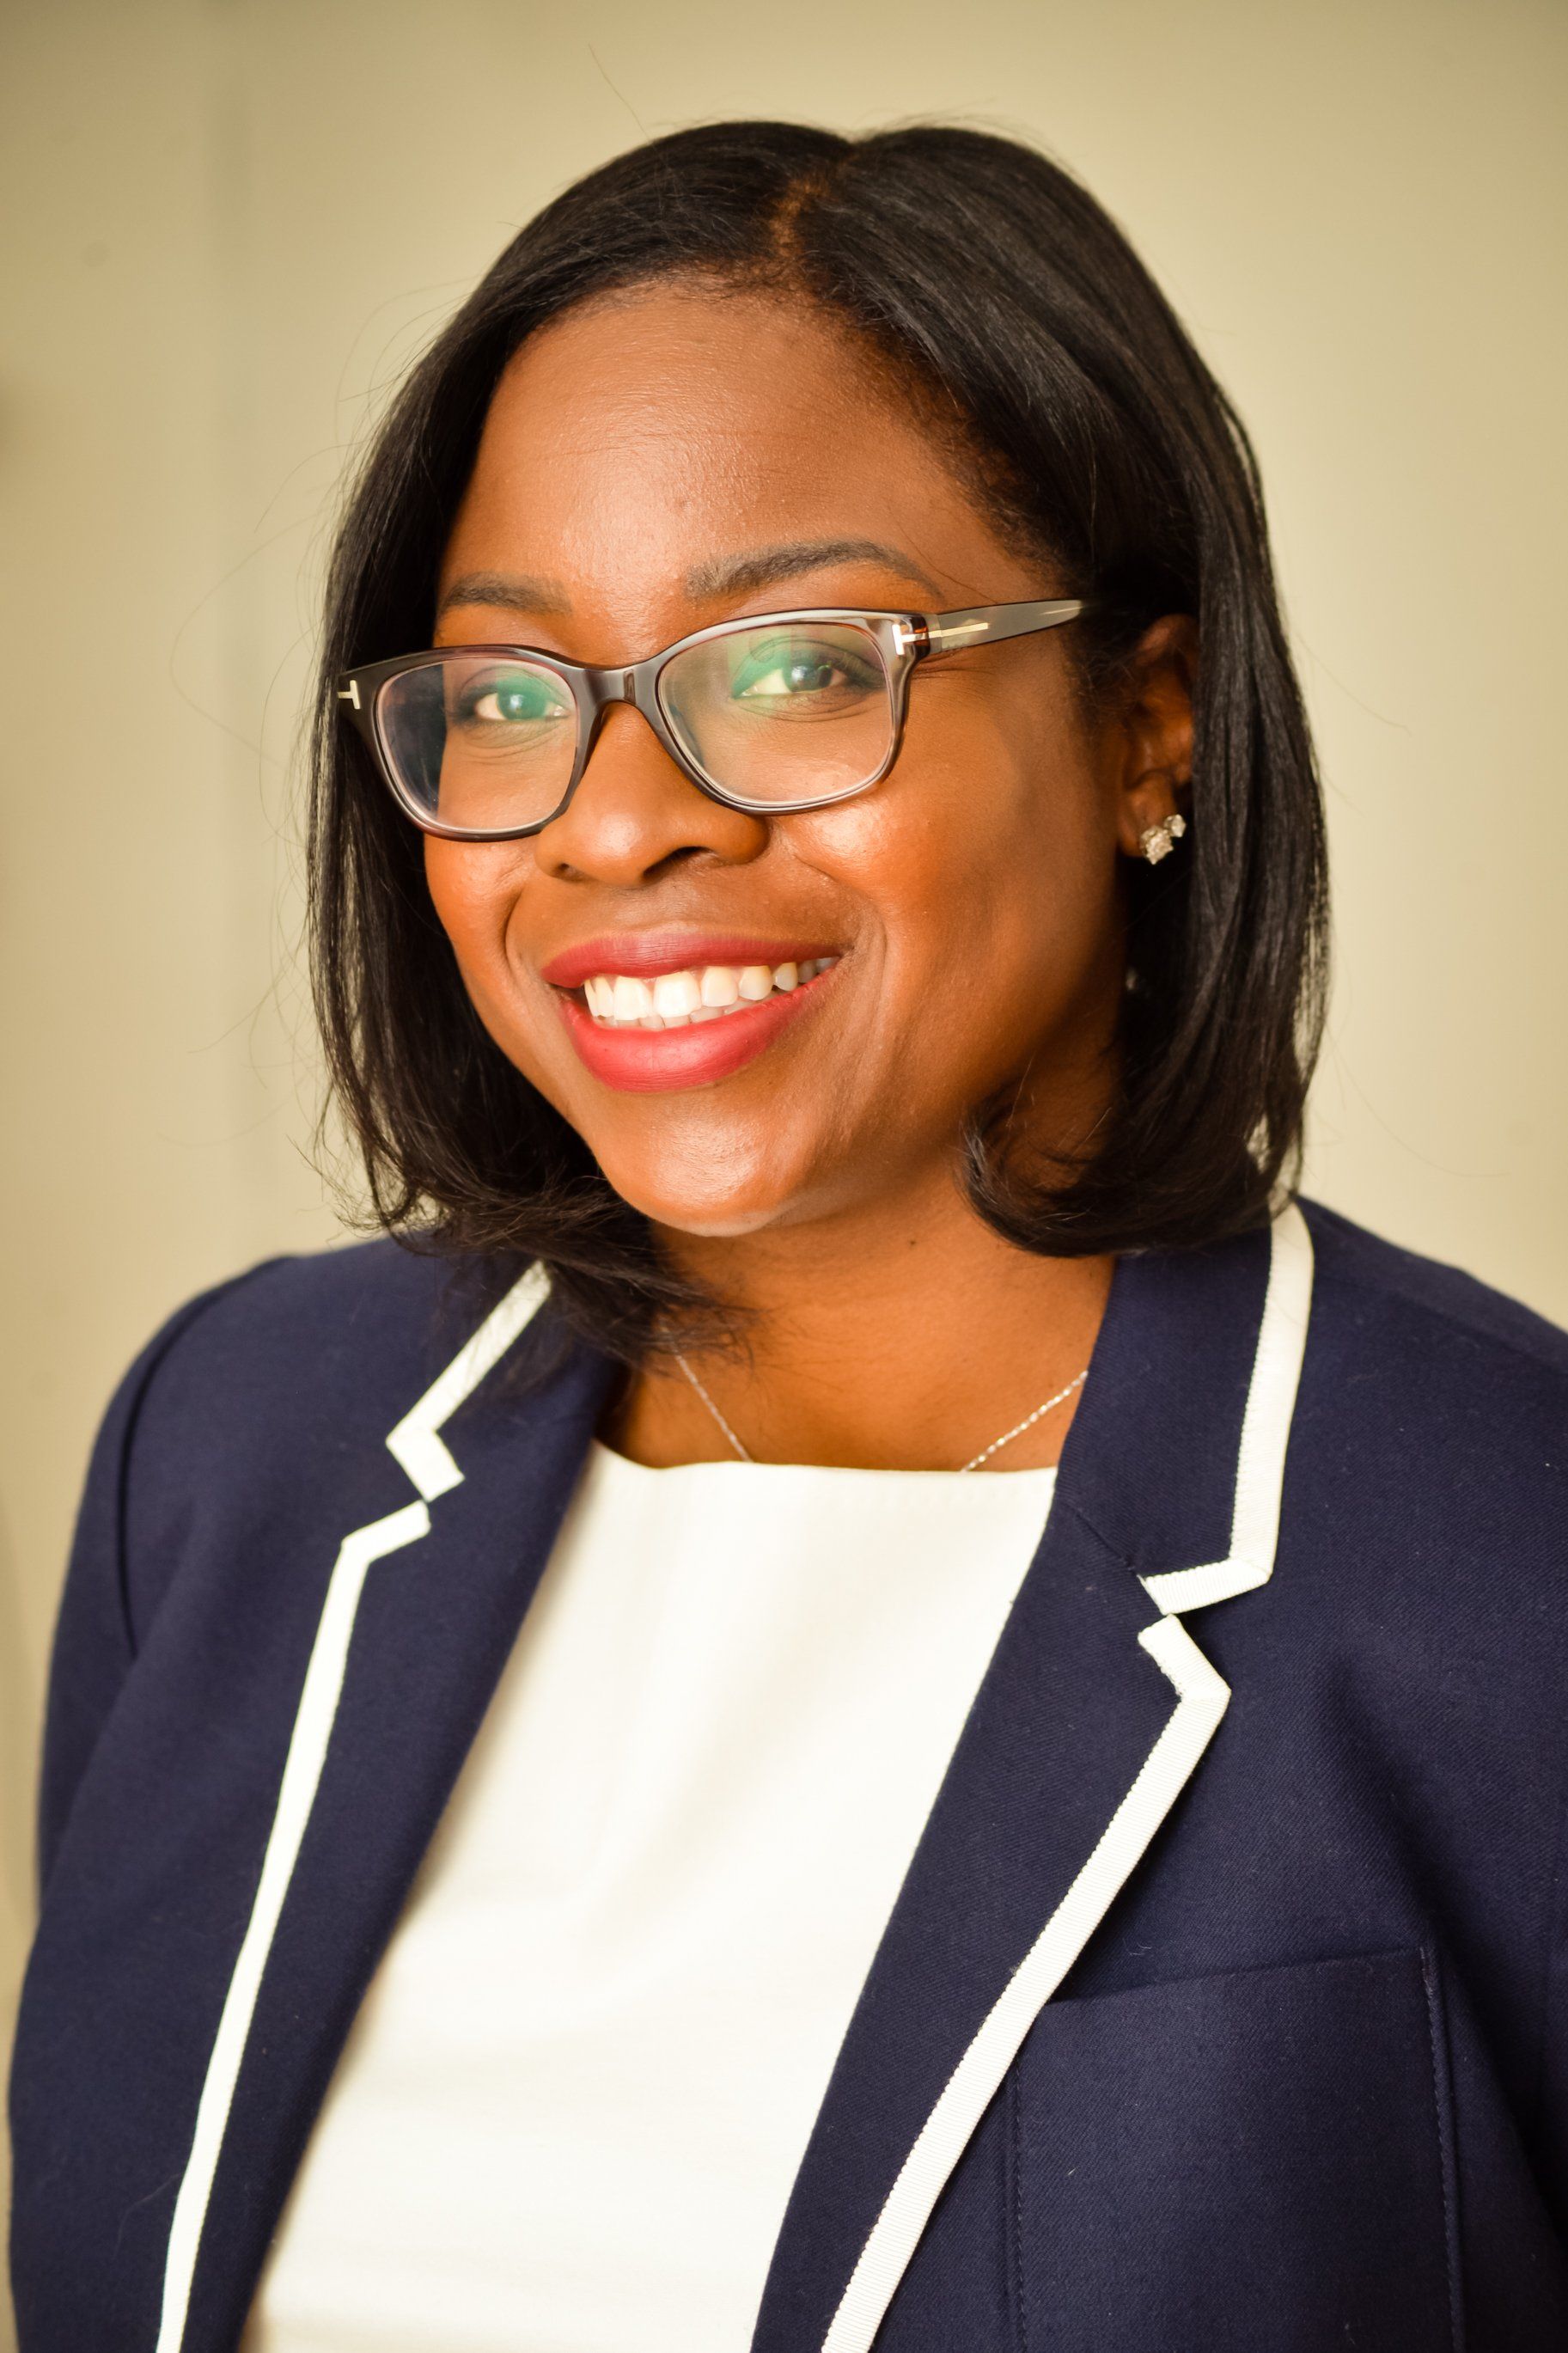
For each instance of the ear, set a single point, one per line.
(1152, 722)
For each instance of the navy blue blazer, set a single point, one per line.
(1222, 2009)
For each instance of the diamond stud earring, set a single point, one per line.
(1157, 842)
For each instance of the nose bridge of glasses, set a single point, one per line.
(630, 682)
(603, 689)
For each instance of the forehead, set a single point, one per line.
(636, 440)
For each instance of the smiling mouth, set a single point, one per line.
(697, 993)
(673, 1025)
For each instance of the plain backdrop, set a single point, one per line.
(225, 227)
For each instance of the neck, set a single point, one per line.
(900, 1334)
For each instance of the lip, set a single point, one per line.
(657, 1062)
(644, 956)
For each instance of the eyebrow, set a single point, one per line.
(739, 576)
(723, 576)
(507, 593)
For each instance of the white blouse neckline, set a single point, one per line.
(610, 1463)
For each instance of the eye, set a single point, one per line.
(796, 669)
(511, 699)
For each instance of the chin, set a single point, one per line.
(706, 1213)
(699, 1198)
(717, 1228)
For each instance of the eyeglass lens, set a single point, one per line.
(787, 712)
(795, 711)
(479, 741)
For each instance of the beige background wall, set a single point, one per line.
(224, 226)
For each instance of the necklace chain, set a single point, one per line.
(713, 1410)
(984, 1455)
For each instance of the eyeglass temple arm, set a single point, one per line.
(987, 625)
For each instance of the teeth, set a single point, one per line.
(630, 1000)
(677, 992)
(700, 994)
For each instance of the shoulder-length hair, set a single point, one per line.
(1002, 292)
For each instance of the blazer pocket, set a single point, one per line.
(1251, 2163)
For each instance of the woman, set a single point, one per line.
(602, 1789)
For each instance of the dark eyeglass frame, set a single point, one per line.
(903, 640)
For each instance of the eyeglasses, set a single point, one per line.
(776, 712)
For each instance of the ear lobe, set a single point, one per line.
(1157, 729)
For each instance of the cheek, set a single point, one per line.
(473, 886)
(991, 868)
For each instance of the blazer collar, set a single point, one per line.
(1094, 1711)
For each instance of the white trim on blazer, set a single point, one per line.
(419, 1448)
(1202, 1696)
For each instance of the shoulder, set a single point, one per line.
(348, 1335)
(1424, 1349)
(253, 1420)
(1433, 1412)
(1402, 1304)
(271, 1397)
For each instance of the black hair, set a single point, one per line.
(995, 284)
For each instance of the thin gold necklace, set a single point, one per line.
(984, 1455)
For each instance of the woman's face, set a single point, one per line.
(673, 458)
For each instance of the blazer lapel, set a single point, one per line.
(420, 1612)
(1096, 1709)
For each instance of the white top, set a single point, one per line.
(572, 2108)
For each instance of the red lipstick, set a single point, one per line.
(643, 956)
(691, 1054)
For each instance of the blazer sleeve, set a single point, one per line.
(94, 1645)
(1552, 2119)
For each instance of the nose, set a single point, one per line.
(636, 814)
